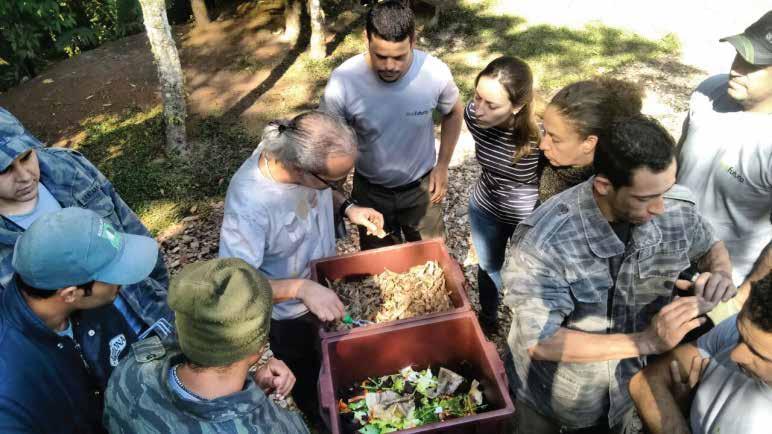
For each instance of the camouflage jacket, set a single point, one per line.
(74, 181)
(557, 275)
(139, 400)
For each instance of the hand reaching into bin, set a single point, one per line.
(320, 300)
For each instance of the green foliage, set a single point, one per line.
(35, 31)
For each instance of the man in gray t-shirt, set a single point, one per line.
(725, 156)
(388, 96)
(731, 369)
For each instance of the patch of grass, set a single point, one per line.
(471, 35)
(129, 150)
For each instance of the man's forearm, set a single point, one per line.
(716, 260)
(571, 346)
(658, 409)
(450, 130)
(285, 289)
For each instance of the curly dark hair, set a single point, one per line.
(592, 105)
(759, 304)
(391, 21)
(634, 142)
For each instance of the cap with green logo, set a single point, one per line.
(74, 246)
(755, 43)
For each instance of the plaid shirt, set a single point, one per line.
(557, 275)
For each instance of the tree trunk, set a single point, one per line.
(318, 49)
(292, 11)
(199, 12)
(169, 73)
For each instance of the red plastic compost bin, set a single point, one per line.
(399, 259)
(445, 341)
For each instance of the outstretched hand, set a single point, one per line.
(320, 300)
(671, 324)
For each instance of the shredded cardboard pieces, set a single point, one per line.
(392, 296)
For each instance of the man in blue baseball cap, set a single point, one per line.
(36, 181)
(60, 332)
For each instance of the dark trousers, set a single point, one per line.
(529, 421)
(296, 343)
(408, 213)
(490, 238)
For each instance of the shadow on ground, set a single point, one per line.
(240, 75)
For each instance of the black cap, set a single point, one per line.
(755, 43)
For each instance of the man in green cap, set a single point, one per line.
(223, 314)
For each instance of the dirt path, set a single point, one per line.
(222, 65)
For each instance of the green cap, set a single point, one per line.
(755, 44)
(223, 311)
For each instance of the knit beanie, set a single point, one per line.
(223, 311)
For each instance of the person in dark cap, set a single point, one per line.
(61, 335)
(36, 181)
(223, 317)
(725, 157)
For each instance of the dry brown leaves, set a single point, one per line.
(392, 296)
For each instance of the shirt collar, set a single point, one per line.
(601, 237)
(216, 410)
(18, 312)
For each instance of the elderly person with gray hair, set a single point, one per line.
(279, 216)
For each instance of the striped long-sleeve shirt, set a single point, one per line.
(507, 190)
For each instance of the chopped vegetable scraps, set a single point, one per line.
(409, 399)
(392, 296)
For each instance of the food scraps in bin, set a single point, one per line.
(392, 296)
(408, 399)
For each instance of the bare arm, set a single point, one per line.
(450, 129)
(714, 284)
(666, 330)
(716, 260)
(320, 300)
(573, 346)
(652, 390)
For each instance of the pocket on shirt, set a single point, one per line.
(586, 284)
(292, 235)
(96, 200)
(666, 260)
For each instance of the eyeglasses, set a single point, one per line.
(330, 184)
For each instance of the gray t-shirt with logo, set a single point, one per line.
(393, 121)
(726, 160)
(727, 400)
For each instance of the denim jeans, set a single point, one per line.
(490, 238)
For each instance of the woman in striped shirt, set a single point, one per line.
(506, 136)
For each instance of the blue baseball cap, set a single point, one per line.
(14, 139)
(74, 246)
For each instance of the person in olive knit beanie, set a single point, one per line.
(222, 314)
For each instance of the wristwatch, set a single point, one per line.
(348, 203)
